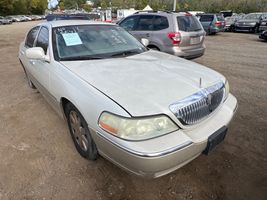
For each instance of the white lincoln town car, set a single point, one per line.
(146, 111)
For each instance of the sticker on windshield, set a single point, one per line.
(72, 39)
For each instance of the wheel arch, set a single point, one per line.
(63, 102)
(151, 46)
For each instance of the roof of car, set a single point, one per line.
(161, 13)
(59, 23)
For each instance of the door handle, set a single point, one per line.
(147, 35)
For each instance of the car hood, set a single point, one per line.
(147, 83)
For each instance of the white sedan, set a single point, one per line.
(146, 111)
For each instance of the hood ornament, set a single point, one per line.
(200, 82)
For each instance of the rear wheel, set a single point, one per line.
(80, 133)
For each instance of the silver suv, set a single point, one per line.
(180, 34)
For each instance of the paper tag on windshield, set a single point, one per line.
(72, 39)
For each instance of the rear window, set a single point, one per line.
(220, 18)
(160, 23)
(206, 18)
(188, 23)
(145, 23)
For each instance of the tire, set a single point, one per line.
(80, 133)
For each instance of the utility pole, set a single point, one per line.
(174, 5)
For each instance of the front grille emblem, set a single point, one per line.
(200, 105)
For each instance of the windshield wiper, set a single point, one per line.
(125, 53)
(82, 58)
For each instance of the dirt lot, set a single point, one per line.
(39, 161)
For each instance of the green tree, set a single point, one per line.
(19, 7)
(87, 8)
(6, 7)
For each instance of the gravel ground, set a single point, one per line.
(39, 161)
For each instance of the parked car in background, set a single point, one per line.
(226, 13)
(230, 22)
(263, 35)
(196, 12)
(178, 34)
(55, 17)
(35, 17)
(10, 18)
(212, 23)
(5, 21)
(263, 24)
(146, 111)
(250, 22)
(14, 18)
(28, 18)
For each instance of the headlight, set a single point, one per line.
(135, 128)
(227, 89)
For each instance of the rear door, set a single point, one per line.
(162, 26)
(192, 33)
(206, 21)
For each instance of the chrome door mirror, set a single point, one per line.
(36, 53)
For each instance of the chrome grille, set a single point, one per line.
(200, 105)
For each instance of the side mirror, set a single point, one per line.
(145, 42)
(36, 53)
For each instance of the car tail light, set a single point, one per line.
(188, 14)
(175, 37)
(218, 24)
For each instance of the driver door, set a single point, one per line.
(41, 69)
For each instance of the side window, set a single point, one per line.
(264, 16)
(160, 23)
(145, 23)
(43, 38)
(31, 37)
(129, 23)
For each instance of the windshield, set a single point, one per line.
(252, 16)
(206, 18)
(188, 23)
(84, 42)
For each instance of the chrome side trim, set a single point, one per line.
(142, 154)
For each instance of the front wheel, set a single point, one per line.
(80, 133)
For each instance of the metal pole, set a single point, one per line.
(174, 5)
